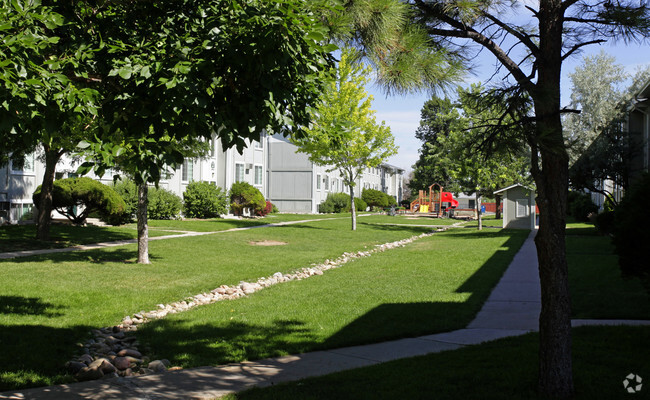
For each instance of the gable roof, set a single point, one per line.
(511, 187)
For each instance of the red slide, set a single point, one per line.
(449, 198)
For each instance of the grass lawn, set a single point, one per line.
(503, 369)
(49, 302)
(407, 219)
(433, 285)
(598, 290)
(488, 222)
(22, 237)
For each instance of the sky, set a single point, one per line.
(402, 113)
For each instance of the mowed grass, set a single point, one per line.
(598, 289)
(503, 369)
(435, 284)
(49, 302)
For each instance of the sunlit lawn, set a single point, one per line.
(49, 302)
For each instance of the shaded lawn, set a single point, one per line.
(488, 222)
(407, 219)
(503, 369)
(22, 237)
(598, 289)
(433, 285)
(50, 301)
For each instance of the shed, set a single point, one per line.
(518, 207)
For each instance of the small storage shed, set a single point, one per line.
(518, 207)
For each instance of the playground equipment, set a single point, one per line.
(434, 202)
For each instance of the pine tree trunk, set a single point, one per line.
(143, 229)
(45, 203)
(354, 209)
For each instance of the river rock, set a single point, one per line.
(129, 352)
(158, 366)
(89, 374)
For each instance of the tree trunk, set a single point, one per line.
(45, 203)
(497, 202)
(353, 209)
(555, 366)
(143, 229)
(479, 216)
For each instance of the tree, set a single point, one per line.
(76, 198)
(176, 72)
(244, 196)
(532, 57)
(344, 134)
(47, 104)
(599, 149)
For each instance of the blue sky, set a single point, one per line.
(402, 113)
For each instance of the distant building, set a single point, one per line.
(285, 177)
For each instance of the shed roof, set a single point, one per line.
(511, 187)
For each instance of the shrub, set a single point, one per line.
(274, 209)
(129, 193)
(631, 233)
(204, 200)
(267, 209)
(374, 198)
(163, 204)
(580, 206)
(335, 203)
(77, 197)
(244, 196)
(605, 222)
(360, 204)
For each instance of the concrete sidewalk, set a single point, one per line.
(512, 309)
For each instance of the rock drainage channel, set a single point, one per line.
(113, 351)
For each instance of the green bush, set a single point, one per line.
(244, 196)
(204, 200)
(580, 206)
(631, 233)
(163, 204)
(360, 204)
(374, 198)
(129, 192)
(335, 203)
(76, 198)
(605, 222)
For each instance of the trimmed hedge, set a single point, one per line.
(163, 204)
(244, 196)
(339, 203)
(86, 193)
(377, 199)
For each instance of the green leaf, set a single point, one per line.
(125, 72)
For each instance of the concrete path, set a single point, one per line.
(512, 309)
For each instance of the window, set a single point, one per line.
(318, 181)
(239, 172)
(471, 204)
(522, 208)
(258, 175)
(259, 145)
(187, 171)
(213, 148)
(326, 180)
(26, 166)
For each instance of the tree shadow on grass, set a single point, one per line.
(98, 256)
(416, 230)
(206, 344)
(28, 306)
(34, 355)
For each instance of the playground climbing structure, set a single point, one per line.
(435, 202)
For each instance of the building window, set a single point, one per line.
(522, 208)
(326, 180)
(213, 148)
(187, 171)
(318, 181)
(26, 166)
(239, 172)
(258, 175)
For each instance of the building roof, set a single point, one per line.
(511, 187)
(398, 169)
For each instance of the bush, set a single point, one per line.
(204, 200)
(374, 198)
(631, 233)
(360, 204)
(335, 203)
(244, 196)
(580, 206)
(163, 204)
(268, 209)
(605, 222)
(76, 198)
(274, 209)
(129, 193)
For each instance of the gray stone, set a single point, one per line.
(86, 358)
(121, 363)
(89, 374)
(75, 366)
(158, 366)
(129, 352)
